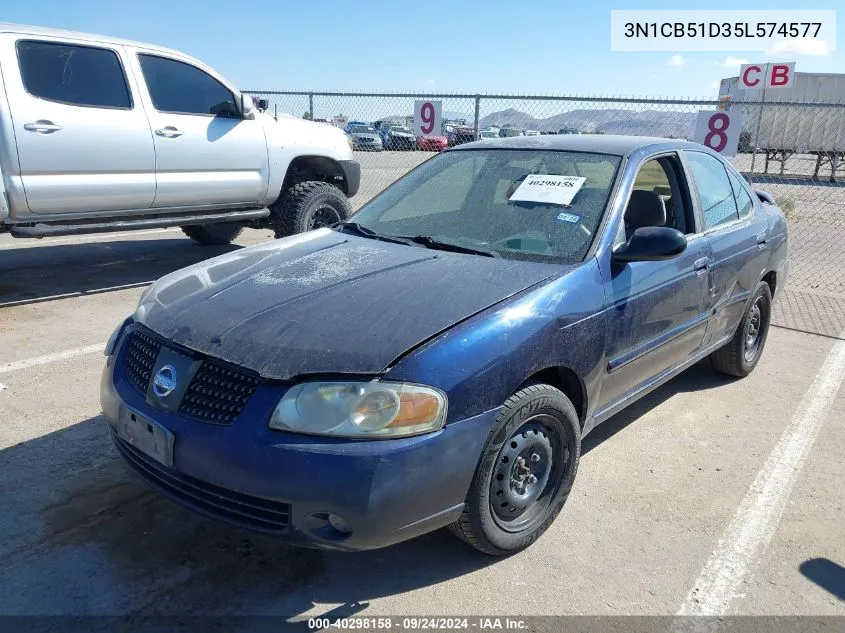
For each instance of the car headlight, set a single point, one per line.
(360, 409)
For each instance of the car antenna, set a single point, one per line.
(275, 113)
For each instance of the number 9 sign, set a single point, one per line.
(719, 130)
(428, 118)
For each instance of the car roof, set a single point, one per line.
(596, 143)
(40, 31)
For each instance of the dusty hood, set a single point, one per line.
(324, 302)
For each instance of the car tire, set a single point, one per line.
(213, 234)
(505, 511)
(308, 205)
(741, 354)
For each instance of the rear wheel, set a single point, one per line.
(213, 234)
(741, 355)
(307, 206)
(525, 473)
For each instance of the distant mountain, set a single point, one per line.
(608, 121)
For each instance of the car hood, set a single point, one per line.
(326, 302)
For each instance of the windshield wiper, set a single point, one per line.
(429, 242)
(363, 231)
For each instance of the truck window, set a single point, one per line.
(72, 74)
(184, 89)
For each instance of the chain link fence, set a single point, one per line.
(793, 151)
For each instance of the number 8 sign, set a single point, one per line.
(719, 130)
(428, 118)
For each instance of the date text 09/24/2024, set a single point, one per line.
(418, 623)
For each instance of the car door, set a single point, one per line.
(206, 152)
(83, 140)
(737, 236)
(657, 314)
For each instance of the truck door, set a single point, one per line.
(83, 140)
(206, 152)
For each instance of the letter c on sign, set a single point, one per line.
(746, 81)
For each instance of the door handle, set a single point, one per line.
(169, 132)
(42, 126)
(762, 240)
(700, 266)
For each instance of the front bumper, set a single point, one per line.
(352, 176)
(285, 484)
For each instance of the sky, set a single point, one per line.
(557, 47)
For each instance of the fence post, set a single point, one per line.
(757, 136)
(477, 110)
(311, 105)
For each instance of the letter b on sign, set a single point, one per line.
(719, 130)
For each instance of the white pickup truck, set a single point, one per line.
(101, 134)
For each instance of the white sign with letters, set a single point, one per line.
(768, 76)
(719, 130)
(428, 118)
(548, 188)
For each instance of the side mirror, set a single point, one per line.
(247, 107)
(651, 243)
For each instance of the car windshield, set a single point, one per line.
(464, 198)
(359, 129)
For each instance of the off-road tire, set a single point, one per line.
(478, 524)
(306, 206)
(733, 358)
(213, 234)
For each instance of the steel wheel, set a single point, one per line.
(753, 329)
(523, 483)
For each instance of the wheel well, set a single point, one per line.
(771, 279)
(303, 168)
(569, 383)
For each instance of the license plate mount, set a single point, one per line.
(149, 437)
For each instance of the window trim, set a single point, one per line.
(113, 51)
(718, 227)
(141, 54)
(732, 171)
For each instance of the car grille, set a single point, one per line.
(217, 393)
(251, 512)
(140, 358)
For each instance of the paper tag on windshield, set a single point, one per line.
(548, 188)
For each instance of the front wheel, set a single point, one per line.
(213, 234)
(525, 474)
(307, 206)
(741, 354)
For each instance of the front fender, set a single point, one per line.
(484, 360)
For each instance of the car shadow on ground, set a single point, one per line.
(83, 535)
(38, 274)
(826, 574)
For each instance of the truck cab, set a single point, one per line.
(100, 134)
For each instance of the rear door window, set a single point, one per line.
(73, 74)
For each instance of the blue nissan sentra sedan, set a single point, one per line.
(437, 360)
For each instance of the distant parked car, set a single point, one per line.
(432, 143)
(507, 132)
(460, 135)
(568, 130)
(532, 133)
(484, 134)
(397, 137)
(364, 136)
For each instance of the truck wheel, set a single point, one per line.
(741, 354)
(213, 234)
(525, 473)
(306, 206)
